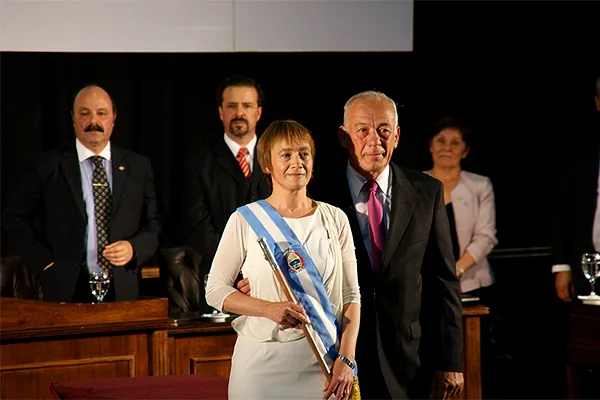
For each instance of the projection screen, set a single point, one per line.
(205, 25)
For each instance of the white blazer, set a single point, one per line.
(475, 217)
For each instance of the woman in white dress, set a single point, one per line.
(272, 358)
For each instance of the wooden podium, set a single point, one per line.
(42, 342)
(200, 347)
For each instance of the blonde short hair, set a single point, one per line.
(287, 130)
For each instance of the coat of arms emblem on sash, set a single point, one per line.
(294, 261)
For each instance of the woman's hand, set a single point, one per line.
(286, 314)
(342, 378)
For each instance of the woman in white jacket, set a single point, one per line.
(469, 200)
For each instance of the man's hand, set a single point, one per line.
(446, 384)
(563, 283)
(118, 253)
(244, 286)
(49, 265)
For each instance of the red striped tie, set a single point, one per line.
(241, 158)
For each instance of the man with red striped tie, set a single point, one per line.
(225, 175)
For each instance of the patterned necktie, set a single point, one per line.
(241, 159)
(376, 226)
(102, 210)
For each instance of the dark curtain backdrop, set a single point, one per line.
(522, 73)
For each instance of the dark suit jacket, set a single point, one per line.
(51, 194)
(417, 292)
(575, 208)
(216, 187)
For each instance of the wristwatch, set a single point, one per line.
(346, 360)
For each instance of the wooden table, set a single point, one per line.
(145, 387)
(201, 347)
(42, 342)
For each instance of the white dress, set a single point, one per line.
(269, 363)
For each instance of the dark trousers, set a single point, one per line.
(371, 382)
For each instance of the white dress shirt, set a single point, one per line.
(234, 147)
(360, 197)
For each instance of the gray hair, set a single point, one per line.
(598, 86)
(368, 95)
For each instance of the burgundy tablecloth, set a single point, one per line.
(144, 387)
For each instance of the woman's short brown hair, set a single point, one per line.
(287, 130)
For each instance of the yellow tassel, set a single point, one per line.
(355, 389)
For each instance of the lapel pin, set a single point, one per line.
(121, 168)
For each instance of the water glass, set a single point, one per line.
(590, 263)
(99, 284)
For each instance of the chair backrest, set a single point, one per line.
(183, 270)
(16, 279)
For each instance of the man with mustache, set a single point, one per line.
(226, 174)
(86, 206)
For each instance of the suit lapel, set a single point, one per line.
(464, 216)
(403, 206)
(70, 166)
(359, 243)
(257, 175)
(338, 194)
(120, 170)
(228, 162)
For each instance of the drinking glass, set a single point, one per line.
(99, 283)
(590, 263)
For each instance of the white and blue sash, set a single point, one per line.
(300, 272)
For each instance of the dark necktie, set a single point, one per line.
(102, 210)
(376, 226)
(241, 159)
